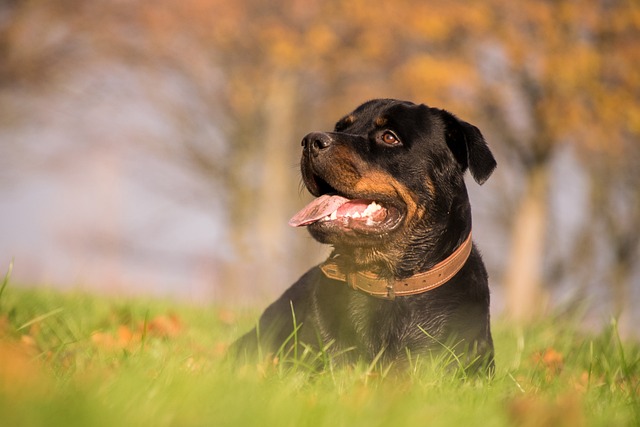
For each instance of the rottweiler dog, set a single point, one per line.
(404, 278)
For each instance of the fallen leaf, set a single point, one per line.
(551, 359)
(166, 326)
(19, 373)
(125, 336)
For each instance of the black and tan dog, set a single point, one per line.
(404, 277)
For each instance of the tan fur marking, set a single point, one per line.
(381, 121)
(378, 182)
(431, 188)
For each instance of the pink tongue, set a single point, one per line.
(318, 208)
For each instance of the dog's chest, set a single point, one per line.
(392, 325)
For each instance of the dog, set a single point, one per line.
(404, 278)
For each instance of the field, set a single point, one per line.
(77, 359)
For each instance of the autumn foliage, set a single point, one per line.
(538, 77)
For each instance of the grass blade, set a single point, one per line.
(41, 318)
(5, 281)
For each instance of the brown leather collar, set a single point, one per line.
(371, 284)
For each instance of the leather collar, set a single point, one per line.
(369, 282)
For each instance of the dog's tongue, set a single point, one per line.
(318, 208)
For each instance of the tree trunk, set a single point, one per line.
(524, 277)
(277, 180)
(262, 195)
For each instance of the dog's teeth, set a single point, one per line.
(331, 217)
(371, 209)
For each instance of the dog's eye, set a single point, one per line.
(390, 138)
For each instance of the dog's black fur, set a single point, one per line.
(411, 159)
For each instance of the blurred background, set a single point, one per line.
(151, 147)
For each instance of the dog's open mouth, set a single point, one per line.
(355, 214)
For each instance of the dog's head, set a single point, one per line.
(389, 183)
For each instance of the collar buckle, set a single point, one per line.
(391, 292)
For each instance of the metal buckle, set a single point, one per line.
(391, 293)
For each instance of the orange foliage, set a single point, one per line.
(162, 326)
(551, 360)
(20, 373)
(573, 62)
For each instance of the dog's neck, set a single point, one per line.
(389, 288)
(417, 251)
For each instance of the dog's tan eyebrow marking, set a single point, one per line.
(345, 122)
(381, 121)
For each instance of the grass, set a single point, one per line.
(76, 359)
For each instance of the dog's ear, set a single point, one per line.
(468, 147)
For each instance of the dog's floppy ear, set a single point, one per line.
(468, 147)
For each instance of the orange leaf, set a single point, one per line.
(551, 359)
(125, 336)
(17, 371)
(165, 326)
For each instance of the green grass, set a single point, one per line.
(76, 359)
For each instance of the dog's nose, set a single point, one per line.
(316, 141)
